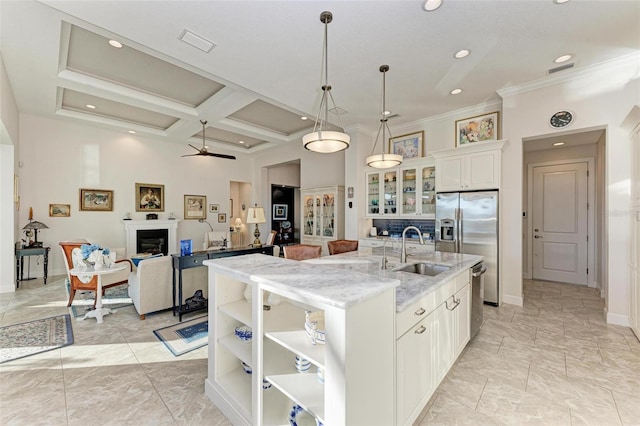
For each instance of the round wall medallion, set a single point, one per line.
(561, 119)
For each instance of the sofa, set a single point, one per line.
(151, 285)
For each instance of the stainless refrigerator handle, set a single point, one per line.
(458, 227)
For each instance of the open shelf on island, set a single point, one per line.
(239, 348)
(300, 343)
(304, 389)
(239, 310)
(237, 384)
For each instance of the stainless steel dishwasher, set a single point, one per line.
(477, 296)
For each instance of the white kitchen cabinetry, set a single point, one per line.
(322, 216)
(417, 191)
(469, 167)
(432, 333)
(405, 192)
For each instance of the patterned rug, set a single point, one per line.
(114, 298)
(33, 337)
(185, 336)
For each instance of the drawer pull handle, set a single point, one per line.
(455, 301)
(419, 312)
(421, 330)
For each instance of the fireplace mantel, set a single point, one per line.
(132, 226)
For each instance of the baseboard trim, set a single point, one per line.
(618, 319)
(512, 300)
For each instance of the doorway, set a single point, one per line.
(560, 221)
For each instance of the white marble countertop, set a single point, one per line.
(412, 286)
(324, 279)
(313, 282)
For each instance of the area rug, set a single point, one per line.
(34, 337)
(185, 336)
(114, 298)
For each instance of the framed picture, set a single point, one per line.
(149, 197)
(409, 146)
(477, 129)
(194, 206)
(222, 217)
(100, 200)
(280, 211)
(214, 208)
(59, 210)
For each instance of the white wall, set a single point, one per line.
(599, 97)
(9, 132)
(60, 157)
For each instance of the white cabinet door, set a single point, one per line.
(442, 350)
(449, 176)
(414, 371)
(483, 170)
(462, 318)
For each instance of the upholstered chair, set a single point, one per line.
(151, 284)
(75, 283)
(302, 251)
(342, 246)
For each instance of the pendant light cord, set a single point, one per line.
(384, 125)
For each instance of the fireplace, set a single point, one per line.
(152, 241)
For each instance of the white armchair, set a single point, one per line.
(151, 285)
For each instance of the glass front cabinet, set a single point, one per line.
(382, 193)
(403, 192)
(322, 215)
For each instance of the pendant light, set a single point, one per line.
(320, 139)
(383, 161)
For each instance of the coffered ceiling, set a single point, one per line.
(261, 73)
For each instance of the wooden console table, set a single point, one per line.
(30, 251)
(195, 260)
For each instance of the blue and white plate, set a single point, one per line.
(299, 417)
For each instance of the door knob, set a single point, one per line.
(537, 236)
(536, 229)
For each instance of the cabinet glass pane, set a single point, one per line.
(309, 219)
(318, 210)
(373, 193)
(328, 208)
(390, 192)
(428, 190)
(409, 191)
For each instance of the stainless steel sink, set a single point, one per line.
(429, 269)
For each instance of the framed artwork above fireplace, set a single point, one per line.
(149, 197)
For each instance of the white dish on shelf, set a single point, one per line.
(299, 417)
(314, 325)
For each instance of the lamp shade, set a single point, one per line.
(326, 142)
(384, 161)
(34, 224)
(256, 215)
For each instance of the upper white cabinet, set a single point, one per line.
(322, 216)
(469, 167)
(407, 191)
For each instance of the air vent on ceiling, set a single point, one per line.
(560, 68)
(196, 41)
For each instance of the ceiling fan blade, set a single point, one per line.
(190, 155)
(213, 154)
(197, 149)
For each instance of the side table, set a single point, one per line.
(30, 251)
(99, 311)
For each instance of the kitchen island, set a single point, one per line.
(370, 357)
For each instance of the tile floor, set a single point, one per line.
(553, 362)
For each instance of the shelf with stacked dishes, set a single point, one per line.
(418, 191)
(382, 193)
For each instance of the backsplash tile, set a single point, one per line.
(396, 226)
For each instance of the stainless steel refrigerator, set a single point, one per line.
(467, 222)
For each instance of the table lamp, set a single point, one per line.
(35, 226)
(256, 215)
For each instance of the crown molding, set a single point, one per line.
(563, 77)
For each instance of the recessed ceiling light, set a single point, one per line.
(456, 91)
(91, 106)
(461, 54)
(431, 5)
(115, 43)
(387, 113)
(558, 144)
(133, 132)
(563, 58)
(240, 141)
(560, 1)
(304, 117)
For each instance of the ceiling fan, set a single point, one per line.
(203, 150)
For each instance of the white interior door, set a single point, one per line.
(560, 223)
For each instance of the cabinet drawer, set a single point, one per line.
(423, 307)
(190, 261)
(462, 280)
